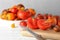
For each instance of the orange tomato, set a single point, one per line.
(13, 25)
(10, 16)
(4, 16)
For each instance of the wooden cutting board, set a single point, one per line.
(45, 34)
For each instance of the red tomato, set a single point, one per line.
(45, 16)
(43, 25)
(59, 23)
(57, 17)
(39, 16)
(32, 23)
(23, 15)
(32, 11)
(13, 10)
(23, 23)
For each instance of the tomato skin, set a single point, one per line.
(13, 10)
(31, 11)
(32, 23)
(23, 15)
(57, 17)
(59, 23)
(11, 16)
(39, 16)
(23, 23)
(20, 7)
(45, 16)
(52, 20)
(42, 25)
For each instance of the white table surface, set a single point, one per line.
(7, 33)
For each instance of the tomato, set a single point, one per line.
(45, 16)
(32, 11)
(56, 28)
(52, 20)
(32, 23)
(4, 16)
(57, 17)
(5, 11)
(23, 23)
(20, 7)
(10, 16)
(39, 16)
(43, 25)
(13, 25)
(59, 23)
(13, 10)
(23, 15)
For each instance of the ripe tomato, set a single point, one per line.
(10, 16)
(13, 25)
(5, 11)
(59, 23)
(23, 15)
(52, 20)
(4, 16)
(39, 16)
(23, 23)
(13, 10)
(32, 23)
(20, 7)
(57, 18)
(45, 16)
(32, 11)
(43, 25)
